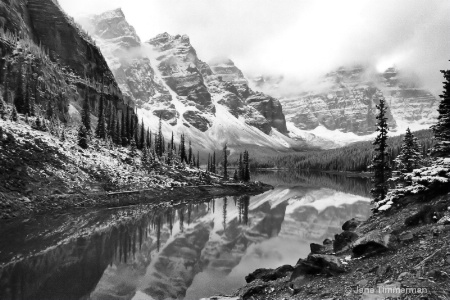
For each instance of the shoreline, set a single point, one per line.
(68, 202)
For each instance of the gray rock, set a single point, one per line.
(343, 240)
(404, 275)
(269, 274)
(406, 236)
(318, 264)
(351, 224)
(372, 243)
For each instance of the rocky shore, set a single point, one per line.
(402, 253)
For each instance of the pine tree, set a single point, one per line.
(213, 163)
(112, 126)
(133, 148)
(194, 163)
(19, 99)
(123, 126)
(380, 162)
(118, 133)
(63, 135)
(86, 114)
(198, 159)
(38, 124)
(208, 168)
(183, 156)
(127, 134)
(241, 168)
(100, 131)
(136, 135)
(225, 163)
(142, 138)
(145, 160)
(83, 137)
(246, 166)
(189, 158)
(6, 82)
(172, 144)
(149, 138)
(410, 156)
(2, 109)
(14, 116)
(235, 176)
(442, 129)
(159, 140)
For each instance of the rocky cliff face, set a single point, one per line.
(63, 48)
(346, 101)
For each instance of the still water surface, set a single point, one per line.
(185, 251)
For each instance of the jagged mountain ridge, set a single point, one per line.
(165, 77)
(345, 100)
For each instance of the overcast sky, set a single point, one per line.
(298, 38)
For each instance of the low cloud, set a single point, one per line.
(300, 40)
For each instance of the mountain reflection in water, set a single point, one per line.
(187, 251)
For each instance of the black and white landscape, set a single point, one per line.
(224, 149)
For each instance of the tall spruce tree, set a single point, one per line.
(142, 137)
(172, 145)
(225, 163)
(82, 137)
(2, 109)
(86, 114)
(6, 82)
(246, 166)
(213, 163)
(159, 146)
(208, 167)
(442, 129)
(198, 159)
(123, 126)
(410, 156)
(19, 98)
(189, 158)
(149, 138)
(241, 168)
(14, 116)
(112, 126)
(183, 156)
(380, 162)
(235, 176)
(100, 131)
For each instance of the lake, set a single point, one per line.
(180, 251)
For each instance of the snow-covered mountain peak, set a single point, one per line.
(113, 26)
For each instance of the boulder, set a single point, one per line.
(351, 224)
(321, 249)
(372, 243)
(343, 240)
(317, 264)
(327, 242)
(269, 274)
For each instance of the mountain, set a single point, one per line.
(59, 63)
(345, 101)
(211, 103)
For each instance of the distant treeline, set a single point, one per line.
(356, 157)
